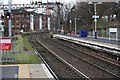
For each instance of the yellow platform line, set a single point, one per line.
(24, 72)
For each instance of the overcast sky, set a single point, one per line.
(28, 1)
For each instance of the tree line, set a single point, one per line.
(108, 12)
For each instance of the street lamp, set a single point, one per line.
(9, 21)
(72, 9)
(75, 24)
(20, 19)
(95, 16)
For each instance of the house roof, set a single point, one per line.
(18, 11)
(23, 11)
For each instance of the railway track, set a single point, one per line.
(107, 64)
(100, 50)
(72, 56)
(61, 68)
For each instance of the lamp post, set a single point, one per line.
(95, 16)
(72, 9)
(95, 20)
(76, 24)
(21, 20)
(58, 16)
(70, 23)
(9, 24)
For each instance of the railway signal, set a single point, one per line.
(8, 15)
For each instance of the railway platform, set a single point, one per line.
(25, 71)
(99, 43)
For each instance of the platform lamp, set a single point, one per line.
(95, 16)
(71, 10)
(76, 25)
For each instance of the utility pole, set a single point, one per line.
(71, 10)
(75, 26)
(70, 21)
(9, 22)
(58, 16)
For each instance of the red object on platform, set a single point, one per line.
(5, 43)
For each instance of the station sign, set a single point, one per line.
(5, 43)
(113, 30)
(95, 16)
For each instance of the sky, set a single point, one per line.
(28, 1)
(66, 1)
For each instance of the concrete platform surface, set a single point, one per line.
(103, 43)
(39, 71)
(26, 71)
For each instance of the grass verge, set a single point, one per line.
(25, 52)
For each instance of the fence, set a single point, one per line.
(7, 49)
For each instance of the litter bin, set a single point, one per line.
(83, 33)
